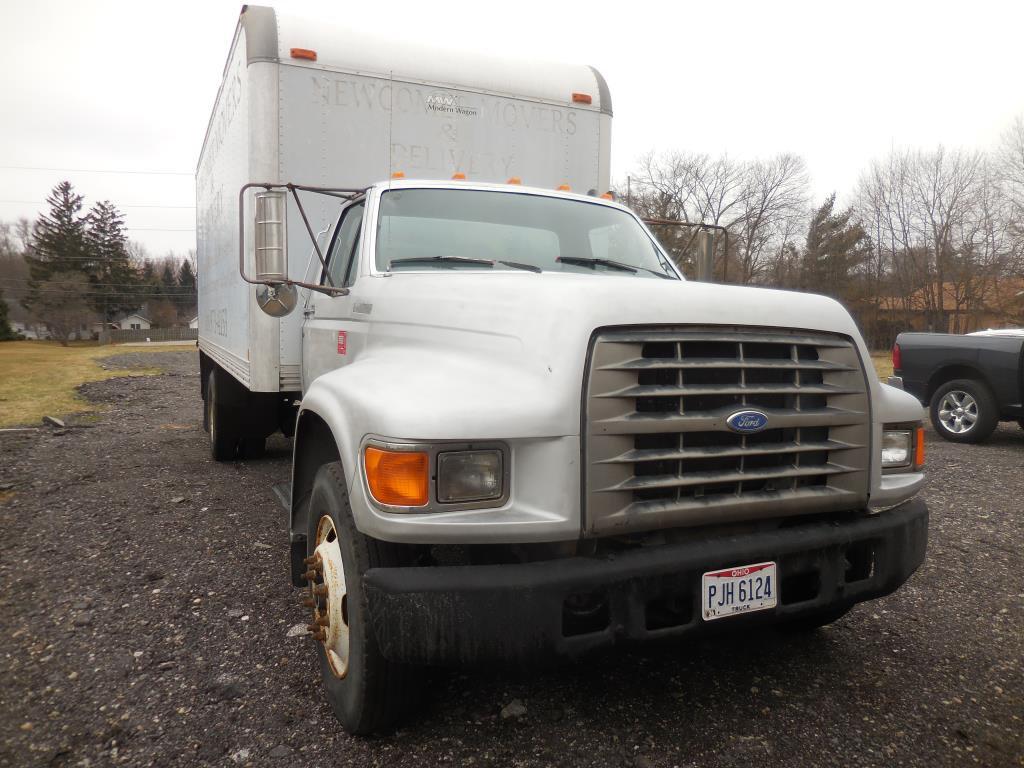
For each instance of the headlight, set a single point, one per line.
(903, 448)
(896, 448)
(469, 476)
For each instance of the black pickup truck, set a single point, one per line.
(969, 383)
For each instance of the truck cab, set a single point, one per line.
(518, 431)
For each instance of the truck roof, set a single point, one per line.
(270, 36)
(491, 187)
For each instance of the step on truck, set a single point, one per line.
(517, 430)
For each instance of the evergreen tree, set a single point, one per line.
(112, 277)
(6, 332)
(169, 278)
(835, 245)
(187, 285)
(58, 242)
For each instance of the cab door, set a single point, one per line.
(329, 331)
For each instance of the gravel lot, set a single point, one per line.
(145, 611)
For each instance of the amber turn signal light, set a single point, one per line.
(398, 478)
(582, 98)
(919, 448)
(303, 53)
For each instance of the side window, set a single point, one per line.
(339, 261)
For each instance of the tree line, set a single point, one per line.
(931, 239)
(70, 267)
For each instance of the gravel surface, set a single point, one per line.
(147, 619)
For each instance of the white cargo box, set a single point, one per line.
(307, 103)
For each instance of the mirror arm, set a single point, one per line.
(302, 212)
(342, 193)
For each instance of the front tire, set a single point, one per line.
(964, 411)
(367, 693)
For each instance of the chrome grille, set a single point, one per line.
(658, 450)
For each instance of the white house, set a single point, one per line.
(134, 322)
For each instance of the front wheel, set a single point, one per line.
(964, 411)
(367, 693)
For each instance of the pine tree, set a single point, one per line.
(187, 285)
(835, 244)
(6, 332)
(112, 276)
(58, 243)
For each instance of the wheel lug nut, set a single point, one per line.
(323, 621)
(308, 603)
(311, 559)
(310, 574)
(320, 589)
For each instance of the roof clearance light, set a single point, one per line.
(458, 176)
(582, 98)
(563, 188)
(607, 196)
(306, 53)
(514, 180)
(398, 175)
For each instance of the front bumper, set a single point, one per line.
(469, 614)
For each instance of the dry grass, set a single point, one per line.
(883, 364)
(39, 377)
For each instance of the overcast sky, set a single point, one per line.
(128, 86)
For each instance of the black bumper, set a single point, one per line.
(518, 612)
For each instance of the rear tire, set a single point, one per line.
(220, 423)
(374, 693)
(964, 411)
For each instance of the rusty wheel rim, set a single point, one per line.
(329, 597)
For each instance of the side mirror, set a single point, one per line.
(271, 254)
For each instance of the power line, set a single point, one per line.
(95, 170)
(118, 205)
(161, 229)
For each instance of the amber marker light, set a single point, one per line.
(514, 180)
(919, 448)
(398, 478)
(459, 176)
(398, 175)
(582, 98)
(563, 188)
(303, 53)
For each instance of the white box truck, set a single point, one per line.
(517, 429)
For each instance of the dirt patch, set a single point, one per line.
(145, 609)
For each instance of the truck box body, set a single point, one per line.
(363, 110)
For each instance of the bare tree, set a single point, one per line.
(761, 203)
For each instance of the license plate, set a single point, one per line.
(744, 589)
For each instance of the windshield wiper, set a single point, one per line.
(441, 260)
(521, 265)
(587, 262)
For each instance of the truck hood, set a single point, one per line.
(512, 347)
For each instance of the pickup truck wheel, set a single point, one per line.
(367, 693)
(964, 411)
(219, 423)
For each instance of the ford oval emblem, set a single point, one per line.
(747, 421)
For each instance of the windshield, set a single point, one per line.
(471, 229)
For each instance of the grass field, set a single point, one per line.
(39, 377)
(883, 364)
